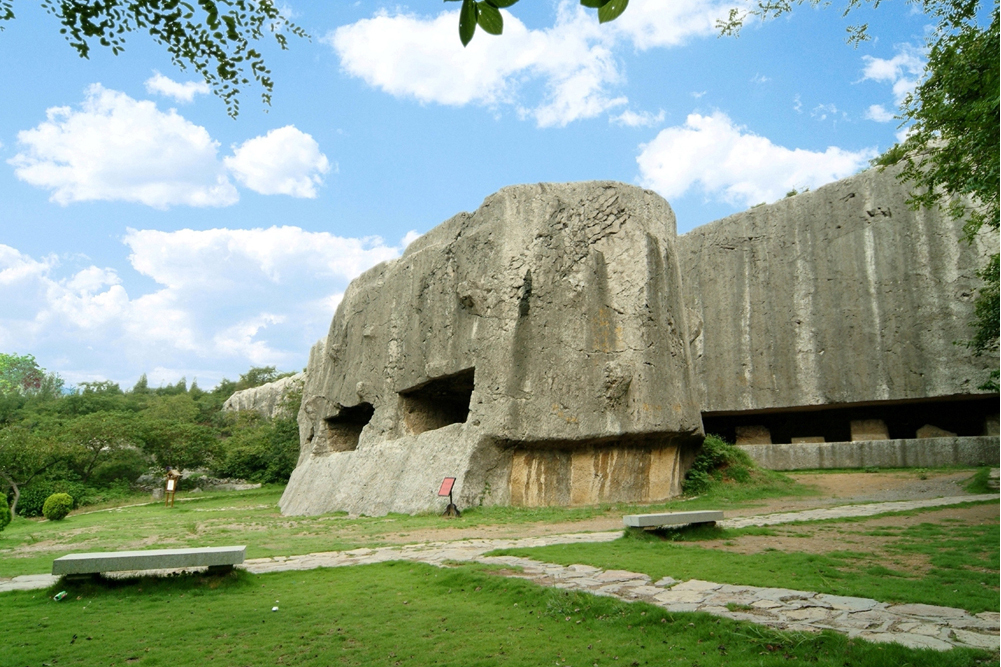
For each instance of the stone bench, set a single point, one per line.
(671, 519)
(215, 558)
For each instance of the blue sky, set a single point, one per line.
(142, 230)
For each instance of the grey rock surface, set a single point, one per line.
(536, 350)
(916, 453)
(266, 399)
(559, 345)
(840, 295)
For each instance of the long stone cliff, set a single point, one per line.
(837, 296)
(561, 345)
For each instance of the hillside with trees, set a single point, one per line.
(97, 441)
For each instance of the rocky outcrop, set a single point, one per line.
(266, 399)
(843, 295)
(536, 350)
(561, 346)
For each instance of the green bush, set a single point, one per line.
(57, 506)
(717, 461)
(5, 515)
(34, 495)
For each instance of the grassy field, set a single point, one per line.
(28, 546)
(953, 562)
(399, 614)
(408, 613)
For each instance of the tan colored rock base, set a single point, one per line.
(594, 475)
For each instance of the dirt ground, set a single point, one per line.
(835, 489)
(858, 537)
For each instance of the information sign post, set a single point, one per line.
(446, 490)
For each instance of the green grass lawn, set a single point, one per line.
(28, 546)
(399, 614)
(962, 561)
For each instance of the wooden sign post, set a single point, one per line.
(173, 477)
(446, 490)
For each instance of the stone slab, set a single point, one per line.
(671, 519)
(918, 453)
(153, 559)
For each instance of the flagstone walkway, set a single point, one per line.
(914, 625)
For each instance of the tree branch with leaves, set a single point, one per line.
(486, 14)
(218, 38)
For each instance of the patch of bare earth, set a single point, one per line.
(834, 489)
(832, 537)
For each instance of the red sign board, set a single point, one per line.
(446, 486)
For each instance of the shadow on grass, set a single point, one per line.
(691, 533)
(95, 585)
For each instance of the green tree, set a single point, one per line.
(25, 454)
(95, 437)
(259, 375)
(952, 155)
(215, 37)
(5, 514)
(177, 444)
(20, 374)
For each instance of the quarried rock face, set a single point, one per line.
(537, 350)
(266, 399)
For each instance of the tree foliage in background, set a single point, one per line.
(19, 374)
(215, 37)
(5, 514)
(96, 442)
(950, 156)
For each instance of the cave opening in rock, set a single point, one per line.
(438, 402)
(344, 430)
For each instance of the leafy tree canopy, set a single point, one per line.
(19, 374)
(215, 37)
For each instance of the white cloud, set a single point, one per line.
(421, 58)
(821, 111)
(409, 238)
(224, 298)
(760, 78)
(158, 84)
(286, 161)
(902, 71)
(667, 23)
(728, 162)
(879, 114)
(641, 119)
(115, 148)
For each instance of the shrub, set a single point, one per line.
(717, 461)
(5, 515)
(33, 496)
(57, 506)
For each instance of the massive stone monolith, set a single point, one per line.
(560, 346)
(266, 400)
(537, 350)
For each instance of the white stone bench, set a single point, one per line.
(671, 519)
(215, 558)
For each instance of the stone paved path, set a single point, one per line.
(914, 625)
(847, 511)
